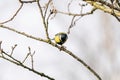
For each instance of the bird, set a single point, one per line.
(60, 38)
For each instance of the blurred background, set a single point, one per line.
(95, 39)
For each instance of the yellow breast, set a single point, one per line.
(57, 39)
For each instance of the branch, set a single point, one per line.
(31, 55)
(13, 47)
(73, 14)
(43, 19)
(19, 63)
(46, 8)
(73, 21)
(108, 8)
(23, 33)
(13, 15)
(68, 7)
(78, 59)
(27, 1)
(59, 47)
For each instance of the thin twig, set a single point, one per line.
(73, 21)
(17, 62)
(113, 13)
(65, 50)
(13, 15)
(103, 2)
(25, 57)
(23, 33)
(0, 49)
(108, 4)
(27, 1)
(68, 7)
(13, 47)
(43, 19)
(73, 14)
(31, 55)
(79, 60)
(106, 9)
(117, 17)
(71, 25)
(47, 5)
(32, 60)
(54, 12)
(47, 20)
(0, 44)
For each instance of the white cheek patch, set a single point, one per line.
(60, 38)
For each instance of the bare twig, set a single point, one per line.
(68, 7)
(0, 49)
(47, 20)
(107, 8)
(13, 47)
(25, 57)
(113, 13)
(13, 15)
(71, 25)
(0, 44)
(108, 4)
(73, 21)
(51, 11)
(31, 55)
(79, 60)
(117, 17)
(73, 14)
(54, 44)
(43, 19)
(54, 12)
(46, 9)
(103, 2)
(32, 60)
(27, 1)
(23, 33)
(17, 62)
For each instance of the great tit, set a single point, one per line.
(60, 38)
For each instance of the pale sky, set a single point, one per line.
(94, 38)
